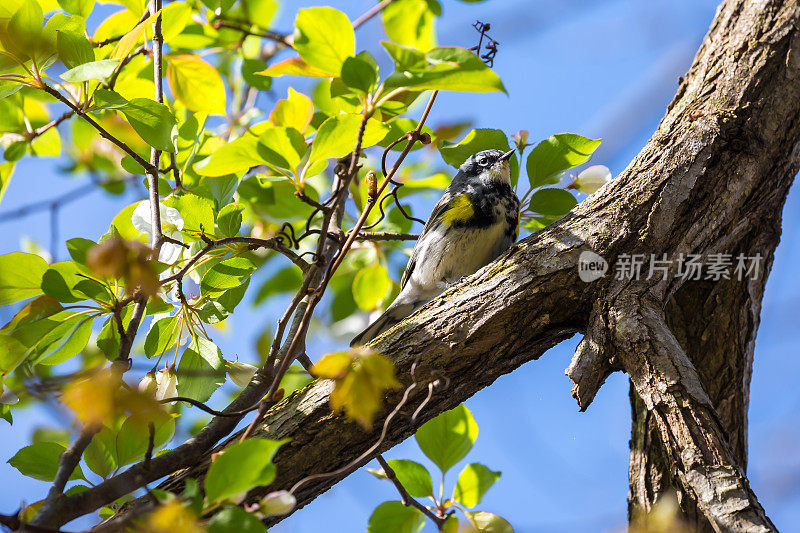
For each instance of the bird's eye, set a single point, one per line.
(483, 161)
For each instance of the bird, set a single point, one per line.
(475, 220)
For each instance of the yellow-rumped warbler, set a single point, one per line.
(472, 224)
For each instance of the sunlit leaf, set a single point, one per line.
(472, 484)
(395, 517)
(558, 153)
(20, 276)
(201, 370)
(484, 522)
(295, 66)
(361, 377)
(240, 467)
(295, 111)
(337, 136)
(153, 121)
(196, 84)
(232, 157)
(324, 37)
(411, 23)
(553, 202)
(449, 69)
(370, 286)
(446, 439)
(413, 476)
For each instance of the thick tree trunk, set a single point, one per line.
(712, 179)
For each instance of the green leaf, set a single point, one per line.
(484, 522)
(25, 27)
(556, 154)
(404, 57)
(324, 38)
(232, 157)
(201, 370)
(474, 142)
(153, 121)
(20, 276)
(73, 48)
(101, 454)
(197, 211)
(360, 72)
(395, 517)
(370, 286)
(241, 467)
(553, 202)
(449, 69)
(162, 336)
(15, 151)
(446, 439)
(27, 327)
(78, 248)
(229, 219)
(411, 23)
(227, 274)
(196, 84)
(250, 68)
(472, 484)
(336, 136)
(133, 437)
(294, 66)
(60, 279)
(294, 111)
(235, 519)
(413, 476)
(65, 340)
(95, 70)
(40, 461)
(77, 7)
(282, 148)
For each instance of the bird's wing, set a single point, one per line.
(433, 221)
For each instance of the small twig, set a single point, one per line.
(271, 35)
(371, 13)
(386, 236)
(405, 497)
(151, 437)
(103, 132)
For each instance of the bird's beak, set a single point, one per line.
(507, 155)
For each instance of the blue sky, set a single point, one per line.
(596, 67)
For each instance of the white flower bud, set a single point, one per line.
(148, 384)
(592, 178)
(241, 373)
(277, 503)
(166, 384)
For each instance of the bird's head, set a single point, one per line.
(488, 165)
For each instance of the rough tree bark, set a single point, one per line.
(712, 179)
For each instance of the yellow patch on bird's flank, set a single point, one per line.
(459, 210)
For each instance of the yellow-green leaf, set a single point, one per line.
(294, 112)
(196, 84)
(324, 38)
(337, 136)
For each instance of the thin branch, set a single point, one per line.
(67, 462)
(386, 236)
(407, 499)
(371, 13)
(103, 132)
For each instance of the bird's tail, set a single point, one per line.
(390, 317)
